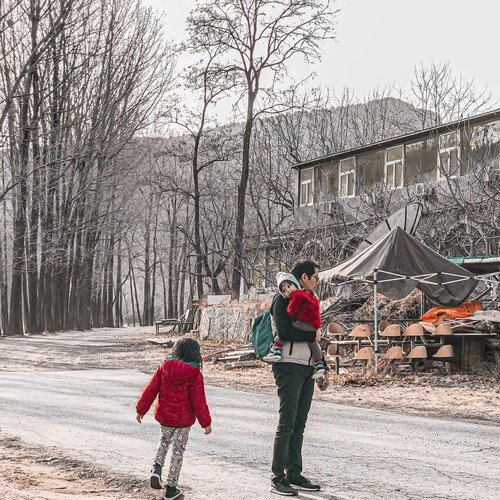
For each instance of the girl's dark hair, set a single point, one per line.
(187, 350)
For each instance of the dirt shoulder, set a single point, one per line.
(451, 397)
(34, 472)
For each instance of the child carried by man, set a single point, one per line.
(304, 310)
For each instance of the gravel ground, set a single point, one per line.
(30, 469)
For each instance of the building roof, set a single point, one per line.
(478, 265)
(394, 141)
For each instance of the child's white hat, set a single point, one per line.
(280, 277)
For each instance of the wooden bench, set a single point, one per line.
(167, 322)
(183, 326)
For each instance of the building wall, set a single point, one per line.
(479, 151)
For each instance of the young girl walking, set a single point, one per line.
(178, 383)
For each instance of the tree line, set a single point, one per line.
(121, 199)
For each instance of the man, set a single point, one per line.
(292, 374)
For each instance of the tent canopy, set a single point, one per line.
(404, 263)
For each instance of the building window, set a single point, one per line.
(306, 186)
(394, 167)
(449, 155)
(347, 177)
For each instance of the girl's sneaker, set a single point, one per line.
(274, 355)
(172, 492)
(319, 370)
(155, 480)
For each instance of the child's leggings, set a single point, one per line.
(178, 438)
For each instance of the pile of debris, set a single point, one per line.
(408, 307)
(234, 357)
(163, 342)
(231, 356)
(342, 308)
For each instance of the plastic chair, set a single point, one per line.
(443, 329)
(418, 352)
(391, 331)
(414, 330)
(332, 353)
(445, 352)
(394, 353)
(416, 357)
(365, 354)
(335, 329)
(383, 325)
(361, 331)
(332, 350)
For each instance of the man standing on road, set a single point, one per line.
(295, 390)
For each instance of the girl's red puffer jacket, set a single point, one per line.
(181, 395)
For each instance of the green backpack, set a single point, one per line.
(263, 333)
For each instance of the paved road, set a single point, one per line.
(355, 453)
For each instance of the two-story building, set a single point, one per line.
(440, 167)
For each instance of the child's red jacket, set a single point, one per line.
(304, 306)
(181, 395)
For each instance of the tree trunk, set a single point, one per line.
(242, 189)
(118, 292)
(18, 246)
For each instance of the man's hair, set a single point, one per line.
(304, 266)
(289, 282)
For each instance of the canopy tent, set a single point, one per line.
(397, 263)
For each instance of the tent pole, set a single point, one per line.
(375, 316)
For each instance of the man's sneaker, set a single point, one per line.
(282, 487)
(302, 483)
(172, 492)
(319, 371)
(155, 480)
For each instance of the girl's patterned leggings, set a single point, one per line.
(178, 438)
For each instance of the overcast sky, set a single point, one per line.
(380, 41)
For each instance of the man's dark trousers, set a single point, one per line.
(295, 391)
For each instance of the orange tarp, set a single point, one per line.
(437, 314)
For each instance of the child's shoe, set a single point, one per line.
(155, 480)
(274, 355)
(172, 492)
(319, 370)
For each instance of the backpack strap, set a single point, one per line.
(272, 304)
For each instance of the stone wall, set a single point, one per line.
(231, 322)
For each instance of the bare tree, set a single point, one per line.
(257, 39)
(209, 147)
(439, 96)
(91, 75)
